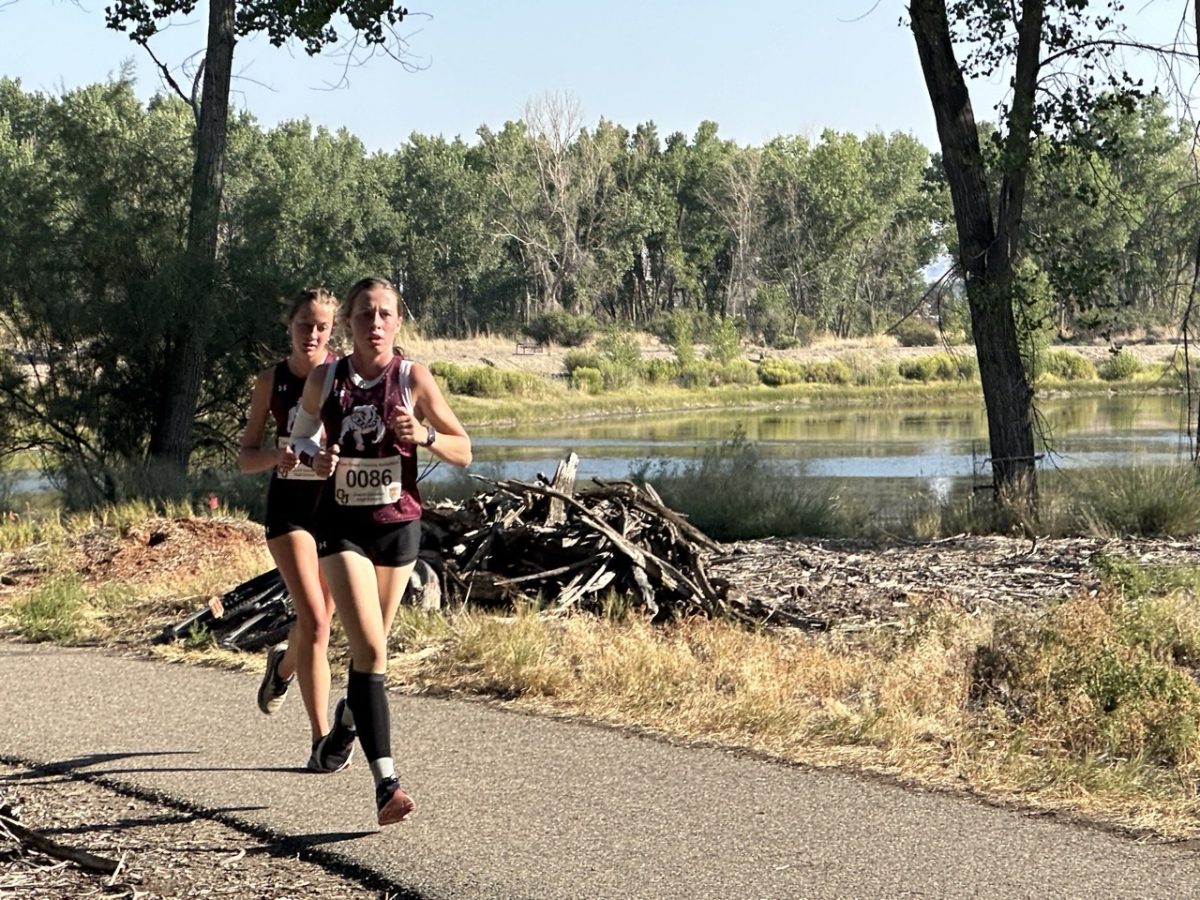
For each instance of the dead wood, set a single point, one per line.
(43, 844)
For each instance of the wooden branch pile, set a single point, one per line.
(546, 543)
(542, 543)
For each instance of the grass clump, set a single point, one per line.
(1064, 365)
(752, 500)
(53, 611)
(1145, 500)
(1121, 366)
(938, 367)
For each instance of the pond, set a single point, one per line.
(870, 450)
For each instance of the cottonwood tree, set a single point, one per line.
(1056, 51)
(316, 26)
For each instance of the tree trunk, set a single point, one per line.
(171, 441)
(986, 244)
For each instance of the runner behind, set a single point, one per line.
(291, 506)
(376, 408)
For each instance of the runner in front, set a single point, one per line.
(377, 408)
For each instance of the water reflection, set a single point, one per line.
(929, 448)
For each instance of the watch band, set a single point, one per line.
(431, 435)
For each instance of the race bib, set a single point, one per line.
(300, 473)
(367, 482)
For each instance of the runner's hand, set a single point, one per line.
(326, 461)
(288, 460)
(406, 428)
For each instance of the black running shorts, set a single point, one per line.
(292, 506)
(384, 545)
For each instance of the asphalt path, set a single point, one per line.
(514, 806)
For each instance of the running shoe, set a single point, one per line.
(273, 689)
(332, 752)
(391, 801)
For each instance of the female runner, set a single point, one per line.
(376, 408)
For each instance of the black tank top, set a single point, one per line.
(286, 392)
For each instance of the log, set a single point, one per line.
(82, 858)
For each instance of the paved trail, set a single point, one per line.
(511, 806)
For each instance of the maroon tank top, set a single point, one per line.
(376, 473)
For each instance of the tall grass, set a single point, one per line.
(731, 493)
(1132, 500)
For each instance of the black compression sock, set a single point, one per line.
(367, 700)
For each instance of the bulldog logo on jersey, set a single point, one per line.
(365, 425)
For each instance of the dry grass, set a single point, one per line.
(1091, 707)
(905, 704)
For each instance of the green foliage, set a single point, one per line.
(487, 381)
(53, 611)
(914, 332)
(588, 379)
(574, 359)
(1121, 366)
(774, 372)
(660, 371)
(938, 367)
(563, 328)
(1064, 365)
(772, 319)
(1033, 302)
(1101, 677)
(725, 341)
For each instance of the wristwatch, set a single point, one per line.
(430, 435)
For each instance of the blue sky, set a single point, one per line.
(758, 67)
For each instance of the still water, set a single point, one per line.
(875, 452)
(862, 448)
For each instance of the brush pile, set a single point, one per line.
(614, 545)
(543, 542)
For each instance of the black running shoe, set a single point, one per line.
(332, 752)
(273, 689)
(391, 801)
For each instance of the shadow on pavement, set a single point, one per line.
(40, 770)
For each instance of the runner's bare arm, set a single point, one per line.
(252, 456)
(452, 444)
(306, 430)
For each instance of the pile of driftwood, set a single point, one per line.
(546, 543)
(540, 542)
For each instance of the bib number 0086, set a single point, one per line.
(367, 482)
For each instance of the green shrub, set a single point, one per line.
(660, 371)
(774, 372)
(575, 359)
(938, 367)
(1065, 365)
(561, 327)
(487, 381)
(1120, 367)
(913, 332)
(587, 379)
(619, 375)
(725, 341)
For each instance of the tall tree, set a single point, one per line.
(1034, 39)
(282, 21)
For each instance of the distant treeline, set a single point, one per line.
(543, 226)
